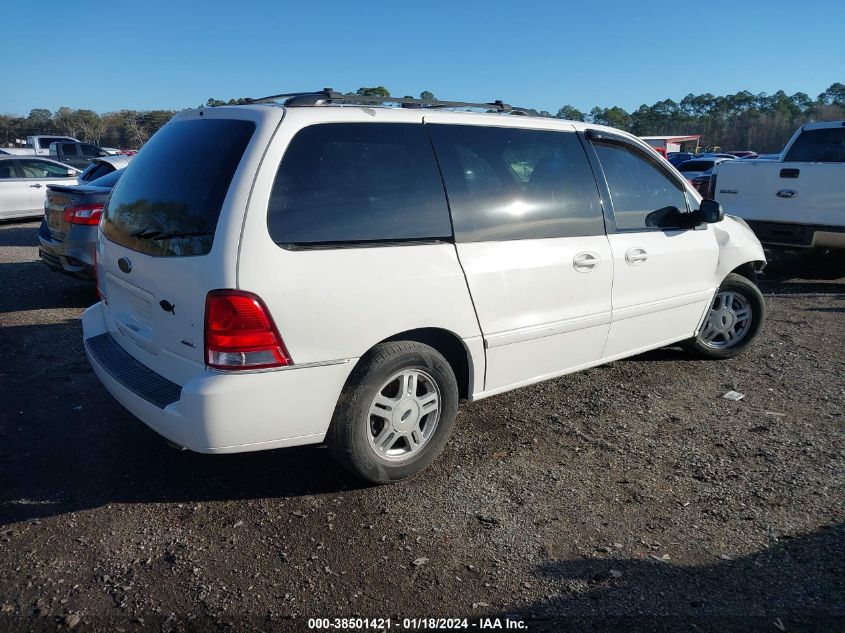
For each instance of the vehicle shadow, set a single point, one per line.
(799, 265)
(45, 289)
(797, 584)
(19, 232)
(66, 445)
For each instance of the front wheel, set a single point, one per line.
(396, 412)
(734, 320)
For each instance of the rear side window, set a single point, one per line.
(168, 201)
(89, 150)
(826, 145)
(637, 186)
(69, 149)
(45, 141)
(511, 183)
(343, 183)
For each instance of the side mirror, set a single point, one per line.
(711, 211)
(71, 172)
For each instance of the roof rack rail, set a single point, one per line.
(329, 95)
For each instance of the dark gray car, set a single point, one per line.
(68, 233)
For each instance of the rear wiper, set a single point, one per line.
(146, 232)
(172, 235)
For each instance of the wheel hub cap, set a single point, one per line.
(406, 416)
(723, 320)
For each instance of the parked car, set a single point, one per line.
(676, 158)
(744, 154)
(307, 281)
(77, 155)
(763, 157)
(100, 167)
(797, 200)
(68, 233)
(23, 184)
(698, 166)
(717, 155)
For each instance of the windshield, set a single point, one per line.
(168, 202)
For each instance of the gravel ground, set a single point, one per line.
(627, 497)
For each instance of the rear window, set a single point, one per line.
(45, 141)
(169, 199)
(95, 170)
(826, 145)
(696, 165)
(109, 180)
(347, 183)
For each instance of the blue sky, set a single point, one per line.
(151, 54)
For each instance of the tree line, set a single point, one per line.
(743, 120)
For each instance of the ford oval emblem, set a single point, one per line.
(786, 193)
(124, 264)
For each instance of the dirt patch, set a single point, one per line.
(630, 496)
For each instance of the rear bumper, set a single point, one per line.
(74, 255)
(795, 235)
(218, 412)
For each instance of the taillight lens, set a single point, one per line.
(87, 214)
(240, 334)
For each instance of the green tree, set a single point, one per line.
(40, 116)
(570, 113)
(378, 91)
(427, 95)
(835, 95)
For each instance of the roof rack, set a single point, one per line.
(328, 96)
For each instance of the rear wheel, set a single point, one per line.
(396, 412)
(733, 322)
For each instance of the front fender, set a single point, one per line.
(737, 246)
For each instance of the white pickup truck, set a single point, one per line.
(38, 145)
(796, 201)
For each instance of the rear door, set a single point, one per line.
(171, 232)
(663, 278)
(530, 237)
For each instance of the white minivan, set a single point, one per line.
(274, 275)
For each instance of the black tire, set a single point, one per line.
(751, 293)
(349, 434)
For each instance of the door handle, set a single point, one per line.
(635, 256)
(585, 262)
(37, 186)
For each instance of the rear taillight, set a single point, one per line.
(87, 214)
(240, 334)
